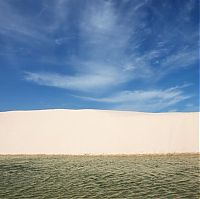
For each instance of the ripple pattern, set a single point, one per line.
(145, 176)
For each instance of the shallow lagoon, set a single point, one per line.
(59, 176)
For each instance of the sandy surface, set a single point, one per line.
(97, 132)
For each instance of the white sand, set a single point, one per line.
(97, 132)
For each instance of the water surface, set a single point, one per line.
(157, 176)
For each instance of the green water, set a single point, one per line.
(173, 176)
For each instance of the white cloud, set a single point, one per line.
(144, 100)
(176, 62)
(181, 58)
(88, 80)
(16, 26)
(112, 48)
(105, 35)
(101, 19)
(109, 31)
(91, 75)
(32, 29)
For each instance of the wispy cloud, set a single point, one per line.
(89, 76)
(88, 80)
(14, 25)
(181, 58)
(105, 36)
(110, 47)
(103, 39)
(144, 100)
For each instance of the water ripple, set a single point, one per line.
(173, 176)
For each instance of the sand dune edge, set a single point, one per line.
(98, 132)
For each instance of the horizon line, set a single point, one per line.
(90, 109)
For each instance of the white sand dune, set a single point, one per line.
(97, 132)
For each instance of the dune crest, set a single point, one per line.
(97, 132)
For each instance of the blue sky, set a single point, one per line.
(137, 55)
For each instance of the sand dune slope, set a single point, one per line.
(96, 132)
